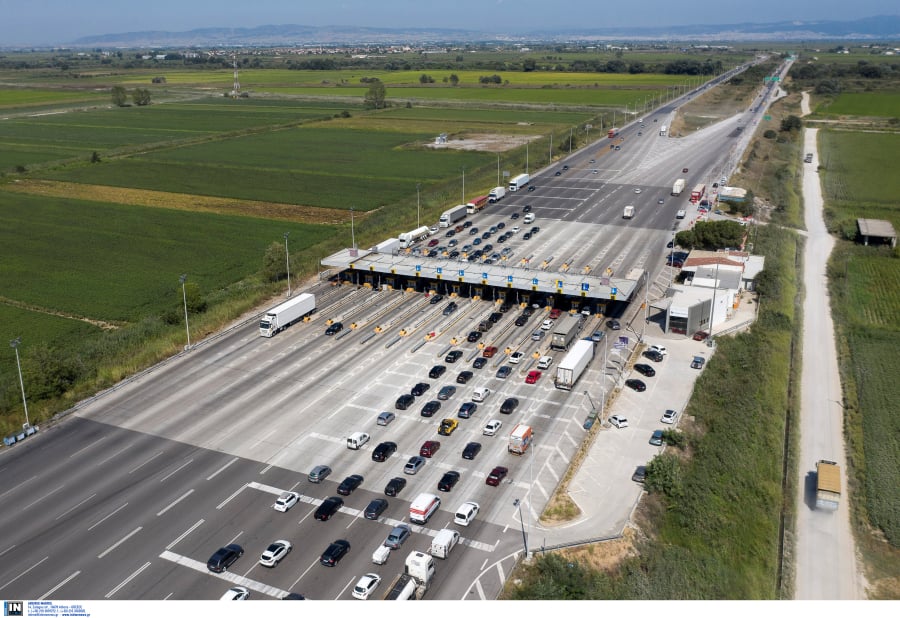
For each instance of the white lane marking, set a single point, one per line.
(231, 497)
(107, 517)
(44, 495)
(126, 580)
(266, 469)
(500, 572)
(23, 573)
(7, 549)
(92, 444)
(177, 500)
(59, 585)
(145, 463)
(74, 507)
(176, 470)
(185, 533)
(303, 574)
(25, 482)
(344, 589)
(120, 541)
(480, 590)
(222, 469)
(116, 454)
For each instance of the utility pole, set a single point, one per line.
(15, 346)
(418, 208)
(287, 260)
(352, 231)
(187, 328)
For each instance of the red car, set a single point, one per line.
(700, 335)
(433, 242)
(497, 474)
(489, 352)
(532, 377)
(554, 313)
(429, 448)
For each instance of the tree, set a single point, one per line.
(274, 264)
(374, 98)
(529, 65)
(791, 123)
(426, 79)
(119, 96)
(141, 96)
(454, 79)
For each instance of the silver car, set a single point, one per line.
(397, 536)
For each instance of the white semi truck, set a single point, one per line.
(408, 238)
(678, 187)
(573, 365)
(415, 579)
(287, 313)
(519, 181)
(496, 194)
(452, 215)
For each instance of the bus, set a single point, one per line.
(698, 192)
(614, 132)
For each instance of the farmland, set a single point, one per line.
(883, 104)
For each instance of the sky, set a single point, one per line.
(51, 22)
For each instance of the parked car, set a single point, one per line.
(386, 418)
(656, 439)
(700, 335)
(464, 376)
(491, 428)
(656, 357)
(333, 554)
(448, 481)
(224, 558)
(532, 377)
(446, 392)
(383, 451)
(509, 406)
(471, 450)
(376, 508)
(640, 474)
(275, 553)
(637, 385)
(645, 370)
(397, 536)
(419, 389)
(467, 410)
(285, 501)
(396, 484)
(328, 508)
(429, 448)
(669, 417)
(413, 465)
(437, 371)
(496, 476)
(349, 484)
(613, 325)
(430, 408)
(448, 426)
(453, 356)
(618, 421)
(404, 401)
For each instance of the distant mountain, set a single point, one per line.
(886, 27)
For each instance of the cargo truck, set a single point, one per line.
(573, 365)
(698, 193)
(389, 246)
(566, 330)
(662, 130)
(520, 439)
(452, 215)
(628, 212)
(287, 313)
(415, 579)
(519, 181)
(476, 205)
(828, 485)
(614, 132)
(678, 187)
(408, 238)
(496, 194)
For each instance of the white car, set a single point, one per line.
(515, 229)
(274, 553)
(492, 428)
(366, 586)
(618, 421)
(516, 357)
(669, 417)
(285, 501)
(546, 324)
(637, 190)
(659, 348)
(238, 593)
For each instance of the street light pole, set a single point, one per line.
(15, 346)
(287, 261)
(352, 231)
(418, 207)
(187, 328)
(518, 504)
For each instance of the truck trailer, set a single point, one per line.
(678, 187)
(389, 246)
(519, 181)
(476, 205)
(828, 485)
(573, 365)
(452, 215)
(415, 579)
(408, 238)
(287, 313)
(628, 212)
(566, 330)
(496, 194)
(520, 439)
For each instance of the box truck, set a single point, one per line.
(678, 187)
(496, 194)
(573, 365)
(389, 246)
(452, 215)
(628, 212)
(287, 313)
(520, 439)
(566, 330)
(519, 181)
(828, 485)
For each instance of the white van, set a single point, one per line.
(466, 513)
(423, 507)
(481, 394)
(529, 218)
(445, 540)
(356, 440)
(544, 362)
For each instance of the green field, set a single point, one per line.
(884, 104)
(28, 97)
(118, 263)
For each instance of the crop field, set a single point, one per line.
(883, 104)
(314, 166)
(120, 263)
(28, 97)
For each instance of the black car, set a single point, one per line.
(453, 356)
(447, 481)
(329, 507)
(435, 299)
(645, 370)
(531, 188)
(528, 311)
(473, 231)
(526, 208)
(450, 308)
(522, 320)
(487, 248)
(464, 376)
(453, 254)
(334, 329)
(479, 362)
(376, 507)
(505, 307)
(515, 215)
(383, 451)
(637, 385)
(509, 406)
(613, 324)
(349, 484)
(467, 409)
(394, 486)
(526, 236)
(653, 355)
(224, 558)
(495, 317)
(473, 336)
(334, 553)
(437, 371)
(431, 407)
(504, 372)
(471, 451)
(404, 401)
(450, 234)
(485, 236)
(558, 173)
(535, 230)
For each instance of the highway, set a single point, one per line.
(129, 496)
